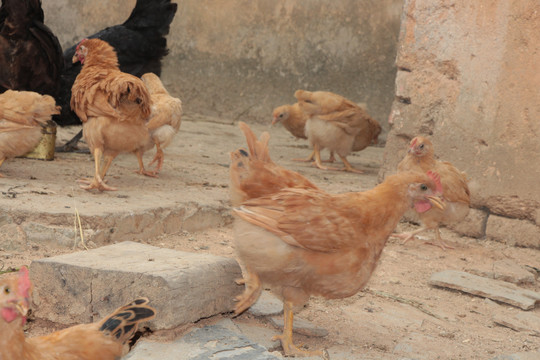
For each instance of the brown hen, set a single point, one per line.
(335, 122)
(113, 106)
(23, 114)
(455, 191)
(301, 240)
(103, 340)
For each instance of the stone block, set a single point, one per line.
(209, 342)
(474, 225)
(513, 231)
(86, 286)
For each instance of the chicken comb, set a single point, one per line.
(24, 284)
(414, 141)
(80, 43)
(437, 179)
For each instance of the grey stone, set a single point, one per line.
(300, 326)
(513, 231)
(534, 355)
(267, 305)
(494, 289)
(86, 286)
(507, 270)
(210, 342)
(520, 322)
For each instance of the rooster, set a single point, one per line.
(114, 107)
(140, 45)
(103, 340)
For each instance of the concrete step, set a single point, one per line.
(86, 286)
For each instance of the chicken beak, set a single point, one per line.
(436, 201)
(22, 306)
(274, 121)
(74, 59)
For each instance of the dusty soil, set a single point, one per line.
(397, 315)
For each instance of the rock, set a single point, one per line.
(513, 231)
(494, 289)
(86, 286)
(506, 270)
(300, 326)
(520, 322)
(534, 355)
(474, 225)
(209, 342)
(267, 305)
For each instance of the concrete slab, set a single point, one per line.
(267, 305)
(520, 322)
(494, 289)
(85, 286)
(39, 199)
(506, 270)
(210, 342)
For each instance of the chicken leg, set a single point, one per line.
(289, 349)
(412, 234)
(158, 158)
(251, 292)
(142, 170)
(97, 182)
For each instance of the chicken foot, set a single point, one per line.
(142, 170)
(289, 349)
(251, 292)
(97, 182)
(412, 234)
(331, 158)
(158, 158)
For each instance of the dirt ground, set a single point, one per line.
(398, 315)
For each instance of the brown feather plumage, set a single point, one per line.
(421, 157)
(23, 114)
(103, 340)
(300, 240)
(113, 106)
(336, 123)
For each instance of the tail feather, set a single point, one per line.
(253, 173)
(258, 149)
(124, 321)
(152, 14)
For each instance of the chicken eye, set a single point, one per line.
(421, 146)
(7, 290)
(423, 187)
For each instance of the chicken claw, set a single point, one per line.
(289, 349)
(251, 292)
(95, 184)
(158, 158)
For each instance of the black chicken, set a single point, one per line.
(140, 44)
(30, 54)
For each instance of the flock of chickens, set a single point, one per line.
(123, 112)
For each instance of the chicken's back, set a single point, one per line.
(254, 174)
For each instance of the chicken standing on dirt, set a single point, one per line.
(23, 114)
(334, 122)
(140, 44)
(113, 106)
(103, 340)
(421, 157)
(301, 240)
(294, 120)
(165, 117)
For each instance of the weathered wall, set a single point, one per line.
(469, 77)
(238, 59)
